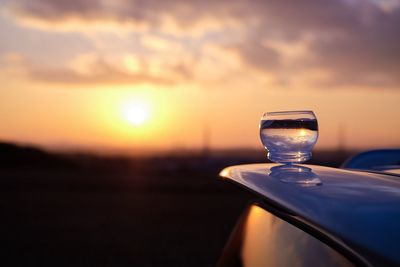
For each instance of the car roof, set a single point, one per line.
(360, 208)
(378, 159)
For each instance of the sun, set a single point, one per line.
(136, 113)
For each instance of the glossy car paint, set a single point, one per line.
(378, 159)
(360, 209)
(262, 239)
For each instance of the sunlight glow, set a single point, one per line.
(302, 132)
(136, 113)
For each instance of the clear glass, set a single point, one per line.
(289, 136)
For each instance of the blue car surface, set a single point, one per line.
(315, 216)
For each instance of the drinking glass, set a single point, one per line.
(289, 136)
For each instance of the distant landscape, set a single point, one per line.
(61, 209)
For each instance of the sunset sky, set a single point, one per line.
(125, 75)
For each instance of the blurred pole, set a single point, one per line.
(206, 140)
(342, 139)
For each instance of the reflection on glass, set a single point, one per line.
(295, 174)
(270, 241)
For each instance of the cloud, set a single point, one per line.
(353, 43)
(107, 76)
(159, 44)
(365, 55)
(94, 69)
(179, 17)
(335, 43)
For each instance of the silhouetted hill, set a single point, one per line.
(15, 156)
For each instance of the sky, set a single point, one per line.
(136, 75)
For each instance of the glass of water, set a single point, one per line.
(289, 136)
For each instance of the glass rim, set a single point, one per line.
(289, 112)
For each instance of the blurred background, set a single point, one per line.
(117, 115)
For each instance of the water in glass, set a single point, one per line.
(289, 136)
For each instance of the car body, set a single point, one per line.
(348, 218)
(386, 160)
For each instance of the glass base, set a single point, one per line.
(291, 157)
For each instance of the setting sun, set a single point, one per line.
(136, 113)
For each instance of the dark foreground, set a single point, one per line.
(86, 211)
(46, 223)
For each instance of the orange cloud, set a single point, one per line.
(91, 69)
(354, 43)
